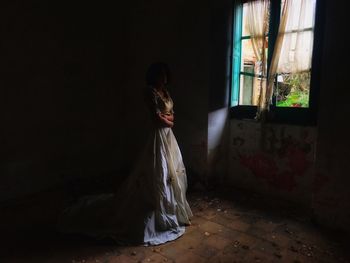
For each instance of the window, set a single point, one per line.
(275, 59)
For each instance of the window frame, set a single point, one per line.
(287, 115)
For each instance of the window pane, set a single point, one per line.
(246, 90)
(258, 9)
(294, 65)
(245, 29)
(250, 88)
(249, 57)
(301, 15)
(292, 90)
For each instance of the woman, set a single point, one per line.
(151, 207)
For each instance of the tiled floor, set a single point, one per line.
(242, 229)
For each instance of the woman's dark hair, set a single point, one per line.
(156, 69)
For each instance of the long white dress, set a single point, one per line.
(151, 207)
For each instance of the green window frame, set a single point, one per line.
(292, 115)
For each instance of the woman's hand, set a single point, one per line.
(166, 120)
(169, 117)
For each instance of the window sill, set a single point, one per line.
(278, 115)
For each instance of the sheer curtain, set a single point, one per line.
(264, 102)
(296, 47)
(258, 25)
(257, 21)
(293, 47)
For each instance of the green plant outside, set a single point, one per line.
(295, 99)
(299, 90)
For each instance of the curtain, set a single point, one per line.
(264, 101)
(257, 21)
(296, 46)
(258, 24)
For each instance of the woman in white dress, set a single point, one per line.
(151, 207)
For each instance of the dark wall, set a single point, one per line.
(72, 79)
(219, 85)
(31, 88)
(94, 72)
(61, 72)
(331, 197)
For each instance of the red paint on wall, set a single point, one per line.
(260, 165)
(265, 166)
(297, 160)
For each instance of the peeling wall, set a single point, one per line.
(272, 159)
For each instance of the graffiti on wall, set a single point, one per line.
(279, 160)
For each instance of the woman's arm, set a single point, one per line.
(169, 117)
(165, 120)
(159, 118)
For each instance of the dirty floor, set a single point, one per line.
(242, 228)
